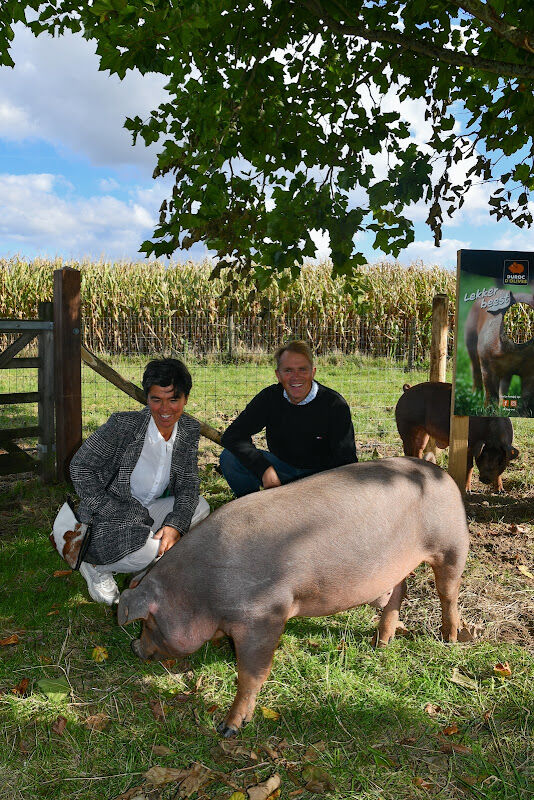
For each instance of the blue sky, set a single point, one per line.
(72, 185)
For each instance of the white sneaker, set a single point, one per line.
(101, 585)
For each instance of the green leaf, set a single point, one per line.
(56, 689)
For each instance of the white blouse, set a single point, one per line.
(150, 476)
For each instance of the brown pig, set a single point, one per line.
(424, 410)
(323, 544)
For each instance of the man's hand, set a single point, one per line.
(270, 478)
(169, 536)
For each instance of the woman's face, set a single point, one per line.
(166, 409)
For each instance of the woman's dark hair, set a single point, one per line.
(167, 372)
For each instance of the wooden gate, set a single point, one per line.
(15, 459)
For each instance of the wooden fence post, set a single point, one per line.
(45, 378)
(459, 430)
(67, 367)
(438, 347)
(440, 331)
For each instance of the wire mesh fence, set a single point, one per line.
(367, 361)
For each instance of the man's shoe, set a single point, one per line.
(101, 586)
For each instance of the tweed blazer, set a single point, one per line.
(101, 471)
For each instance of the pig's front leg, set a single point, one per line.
(390, 616)
(254, 647)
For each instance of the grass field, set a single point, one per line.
(417, 719)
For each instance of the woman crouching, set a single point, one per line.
(137, 480)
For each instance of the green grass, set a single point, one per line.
(364, 710)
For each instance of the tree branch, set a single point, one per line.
(502, 68)
(487, 14)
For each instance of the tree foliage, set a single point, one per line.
(288, 116)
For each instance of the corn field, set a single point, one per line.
(140, 307)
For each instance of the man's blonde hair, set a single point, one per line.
(296, 346)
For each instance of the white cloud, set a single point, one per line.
(56, 93)
(427, 252)
(35, 217)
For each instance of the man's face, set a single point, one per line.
(166, 409)
(295, 373)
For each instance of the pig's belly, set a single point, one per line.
(323, 598)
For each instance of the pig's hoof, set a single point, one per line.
(226, 730)
(135, 646)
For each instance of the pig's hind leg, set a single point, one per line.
(254, 646)
(448, 574)
(390, 615)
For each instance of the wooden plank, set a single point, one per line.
(22, 363)
(15, 347)
(47, 451)
(19, 397)
(134, 391)
(11, 463)
(459, 431)
(438, 348)
(7, 325)
(67, 367)
(19, 433)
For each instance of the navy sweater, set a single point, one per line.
(315, 436)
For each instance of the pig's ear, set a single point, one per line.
(477, 449)
(513, 453)
(134, 604)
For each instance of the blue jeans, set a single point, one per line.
(242, 481)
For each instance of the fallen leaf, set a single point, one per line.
(271, 752)
(487, 715)
(423, 784)
(158, 776)
(449, 730)
(182, 697)
(504, 670)
(236, 748)
(25, 747)
(317, 780)
(197, 777)
(198, 683)
(468, 632)
(517, 528)
(14, 639)
(269, 713)
(432, 710)
(135, 793)
(56, 689)
(313, 643)
(21, 687)
(463, 680)
(52, 613)
(157, 708)
(524, 571)
(296, 792)
(99, 654)
(264, 789)
(237, 796)
(212, 708)
(59, 725)
(62, 573)
(97, 722)
(446, 746)
(161, 750)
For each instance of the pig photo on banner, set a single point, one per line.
(495, 334)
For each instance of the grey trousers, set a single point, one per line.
(140, 559)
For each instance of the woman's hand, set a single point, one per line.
(169, 536)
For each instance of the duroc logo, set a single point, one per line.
(515, 272)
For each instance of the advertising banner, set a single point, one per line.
(494, 373)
